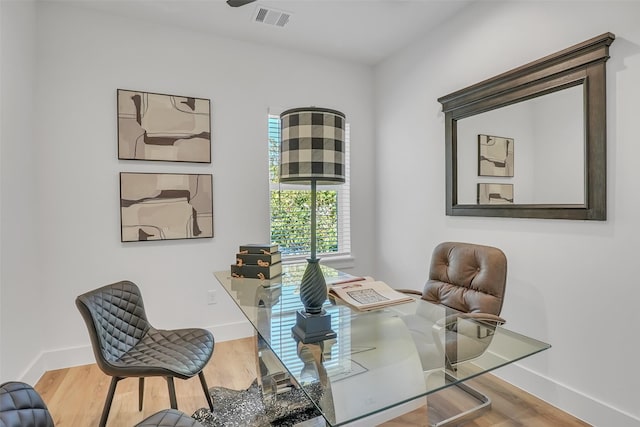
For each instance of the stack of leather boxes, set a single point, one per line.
(257, 261)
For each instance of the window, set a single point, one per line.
(290, 208)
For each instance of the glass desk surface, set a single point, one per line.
(380, 359)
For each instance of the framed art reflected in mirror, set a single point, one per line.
(495, 194)
(495, 156)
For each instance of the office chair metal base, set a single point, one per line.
(485, 405)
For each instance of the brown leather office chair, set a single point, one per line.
(126, 345)
(22, 406)
(469, 280)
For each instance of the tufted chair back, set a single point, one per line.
(116, 320)
(467, 277)
(22, 406)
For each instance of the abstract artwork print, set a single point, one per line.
(164, 206)
(495, 156)
(153, 126)
(495, 194)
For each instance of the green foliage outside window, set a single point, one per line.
(291, 221)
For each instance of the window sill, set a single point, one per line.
(338, 262)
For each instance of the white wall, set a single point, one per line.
(20, 302)
(82, 58)
(570, 283)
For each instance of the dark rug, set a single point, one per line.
(247, 408)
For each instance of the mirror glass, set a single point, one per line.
(530, 152)
(532, 142)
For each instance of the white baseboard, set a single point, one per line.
(574, 402)
(232, 331)
(83, 355)
(57, 359)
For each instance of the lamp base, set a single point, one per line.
(313, 288)
(313, 327)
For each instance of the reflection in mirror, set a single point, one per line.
(548, 145)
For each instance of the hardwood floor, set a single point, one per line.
(75, 396)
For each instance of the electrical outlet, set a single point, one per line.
(211, 297)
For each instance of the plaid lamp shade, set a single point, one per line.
(312, 146)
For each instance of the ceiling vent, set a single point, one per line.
(278, 18)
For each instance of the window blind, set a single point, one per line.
(290, 207)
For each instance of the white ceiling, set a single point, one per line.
(364, 31)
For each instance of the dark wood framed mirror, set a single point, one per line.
(531, 142)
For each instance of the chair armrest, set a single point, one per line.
(482, 317)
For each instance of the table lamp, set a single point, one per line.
(312, 152)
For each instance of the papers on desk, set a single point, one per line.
(365, 293)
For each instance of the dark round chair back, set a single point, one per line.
(22, 406)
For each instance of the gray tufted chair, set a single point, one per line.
(22, 406)
(126, 345)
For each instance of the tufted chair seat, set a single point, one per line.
(126, 345)
(22, 406)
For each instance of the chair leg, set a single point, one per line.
(206, 390)
(107, 403)
(140, 393)
(172, 393)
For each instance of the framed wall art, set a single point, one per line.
(495, 194)
(495, 156)
(164, 206)
(172, 128)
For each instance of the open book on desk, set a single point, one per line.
(365, 293)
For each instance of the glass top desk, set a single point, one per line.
(379, 360)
